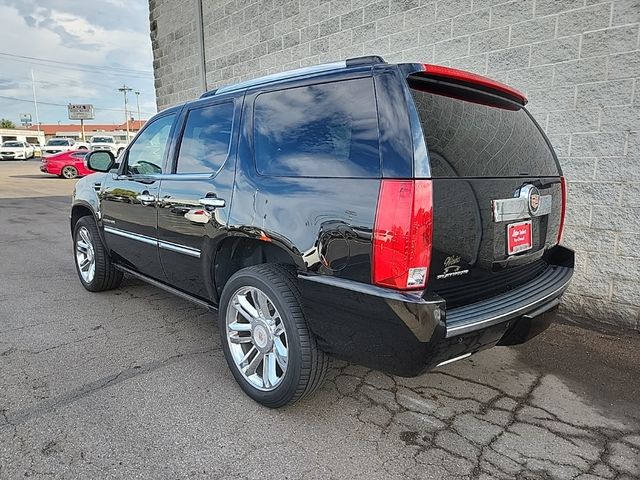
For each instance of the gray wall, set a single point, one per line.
(577, 60)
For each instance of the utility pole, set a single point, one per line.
(35, 102)
(124, 89)
(137, 92)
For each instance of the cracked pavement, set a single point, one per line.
(132, 384)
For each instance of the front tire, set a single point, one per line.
(93, 264)
(270, 350)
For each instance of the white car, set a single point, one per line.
(108, 143)
(59, 145)
(16, 150)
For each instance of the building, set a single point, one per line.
(577, 60)
(119, 131)
(21, 135)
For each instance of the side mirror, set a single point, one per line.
(100, 161)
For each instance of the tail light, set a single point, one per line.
(402, 234)
(563, 187)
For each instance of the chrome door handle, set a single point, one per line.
(146, 199)
(212, 202)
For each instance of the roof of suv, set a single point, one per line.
(300, 72)
(435, 73)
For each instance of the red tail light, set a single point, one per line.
(563, 187)
(402, 234)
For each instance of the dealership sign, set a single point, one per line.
(81, 112)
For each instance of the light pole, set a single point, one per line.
(137, 92)
(124, 89)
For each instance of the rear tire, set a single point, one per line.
(297, 373)
(98, 274)
(69, 172)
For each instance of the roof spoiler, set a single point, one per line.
(471, 80)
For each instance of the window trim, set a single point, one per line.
(309, 83)
(183, 126)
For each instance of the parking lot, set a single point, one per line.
(132, 384)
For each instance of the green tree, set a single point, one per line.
(4, 123)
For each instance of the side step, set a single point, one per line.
(164, 286)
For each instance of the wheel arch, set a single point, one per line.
(237, 252)
(82, 209)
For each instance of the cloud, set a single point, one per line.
(112, 37)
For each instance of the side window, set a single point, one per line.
(206, 140)
(147, 152)
(323, 130)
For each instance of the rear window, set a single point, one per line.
(467, 139)
(322, 130)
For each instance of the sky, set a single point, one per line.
(80, 51)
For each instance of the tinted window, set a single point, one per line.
(147, 152)
(206, 139)
(325, 130)
(469, 139)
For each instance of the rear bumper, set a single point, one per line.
(405, 334)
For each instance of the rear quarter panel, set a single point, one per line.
(324, 223)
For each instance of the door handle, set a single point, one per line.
(146, 199)
(212, 202)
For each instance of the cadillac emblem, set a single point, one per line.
(534, 200)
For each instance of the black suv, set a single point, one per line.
(397, 216)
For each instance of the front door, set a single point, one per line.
(194, 199)
(129, 199)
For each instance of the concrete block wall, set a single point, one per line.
(577, 60)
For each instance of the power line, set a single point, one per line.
(65, 105)
(102, 70)
(76, 64)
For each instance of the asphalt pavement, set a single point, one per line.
(132, 383)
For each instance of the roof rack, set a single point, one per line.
(325, 67)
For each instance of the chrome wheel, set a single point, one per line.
(257, 338)
(85, 255)
(69, 172)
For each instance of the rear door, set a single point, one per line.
(195, 197)
(496, 187)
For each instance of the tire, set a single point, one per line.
(105, 275)
(82, 148)
(69, 172)
(120, 150)
(306, 364)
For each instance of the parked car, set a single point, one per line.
(66, 164)
(16, 150)
(37, 149)
(57, 145)
(108, 143)
(399, 216)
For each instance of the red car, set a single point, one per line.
(66, 164)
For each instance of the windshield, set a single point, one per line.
(12, 144)
(102, 140)
(58, 142)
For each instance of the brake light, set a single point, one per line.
(402, 234)
(563, 210)
(468, 77)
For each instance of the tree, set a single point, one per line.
(4, 123)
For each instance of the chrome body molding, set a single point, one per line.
(131, 236)
(174, 247)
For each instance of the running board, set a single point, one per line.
(167, 288)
